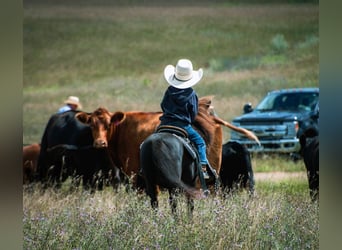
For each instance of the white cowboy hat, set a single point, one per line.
(73, 100)
(182, 76)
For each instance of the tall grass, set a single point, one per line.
(281, 216)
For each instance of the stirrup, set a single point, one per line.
(206, 176)
(205, 173)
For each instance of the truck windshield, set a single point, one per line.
(298, 101)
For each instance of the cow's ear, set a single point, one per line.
(118, 117)
(83, 117)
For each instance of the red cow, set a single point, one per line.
(30, 159)
(124, 139)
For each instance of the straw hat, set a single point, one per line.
(73, 100)
(182, 76)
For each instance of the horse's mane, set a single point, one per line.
(204, 122)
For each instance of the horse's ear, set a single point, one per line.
(118, 117)
(206, 101)
(83, 117)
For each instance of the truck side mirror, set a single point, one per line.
(247, 108)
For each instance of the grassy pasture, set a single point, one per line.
(113, 56)
(281, 216)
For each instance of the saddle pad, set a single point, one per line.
(173, 130)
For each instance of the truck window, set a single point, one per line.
(288, 102)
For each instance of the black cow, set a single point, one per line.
(236, 168)
(93, 165)
(67, 150)
(310, 153)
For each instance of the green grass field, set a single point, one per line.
(113, 55)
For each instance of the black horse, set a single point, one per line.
(165, 162)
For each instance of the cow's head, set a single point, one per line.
(102, 123)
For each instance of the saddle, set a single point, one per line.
(182, 135)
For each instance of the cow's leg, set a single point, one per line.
(47, 170)
(250, 173)
(314, 194)
(58, 175)
(87, 181)
(55, 168)
(54, 175)
(50, 176)
(100, 181)
(94, 182)
(251, 184)
(75, 182)
(115, 178)
(313, 185)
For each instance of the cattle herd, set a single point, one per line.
(103, 148)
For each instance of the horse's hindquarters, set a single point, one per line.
(164, 163)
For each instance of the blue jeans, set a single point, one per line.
(197, 139)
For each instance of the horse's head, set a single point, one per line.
(210, 131)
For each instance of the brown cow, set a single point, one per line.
(124, 139)
(30, 159)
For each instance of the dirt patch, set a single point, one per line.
(277, 176)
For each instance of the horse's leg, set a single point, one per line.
(191, 206)
(152, 192)
(173, 201)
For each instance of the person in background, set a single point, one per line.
(72, 103)
(180, 103)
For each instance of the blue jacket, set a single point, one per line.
(179, 106)
(64, 109)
